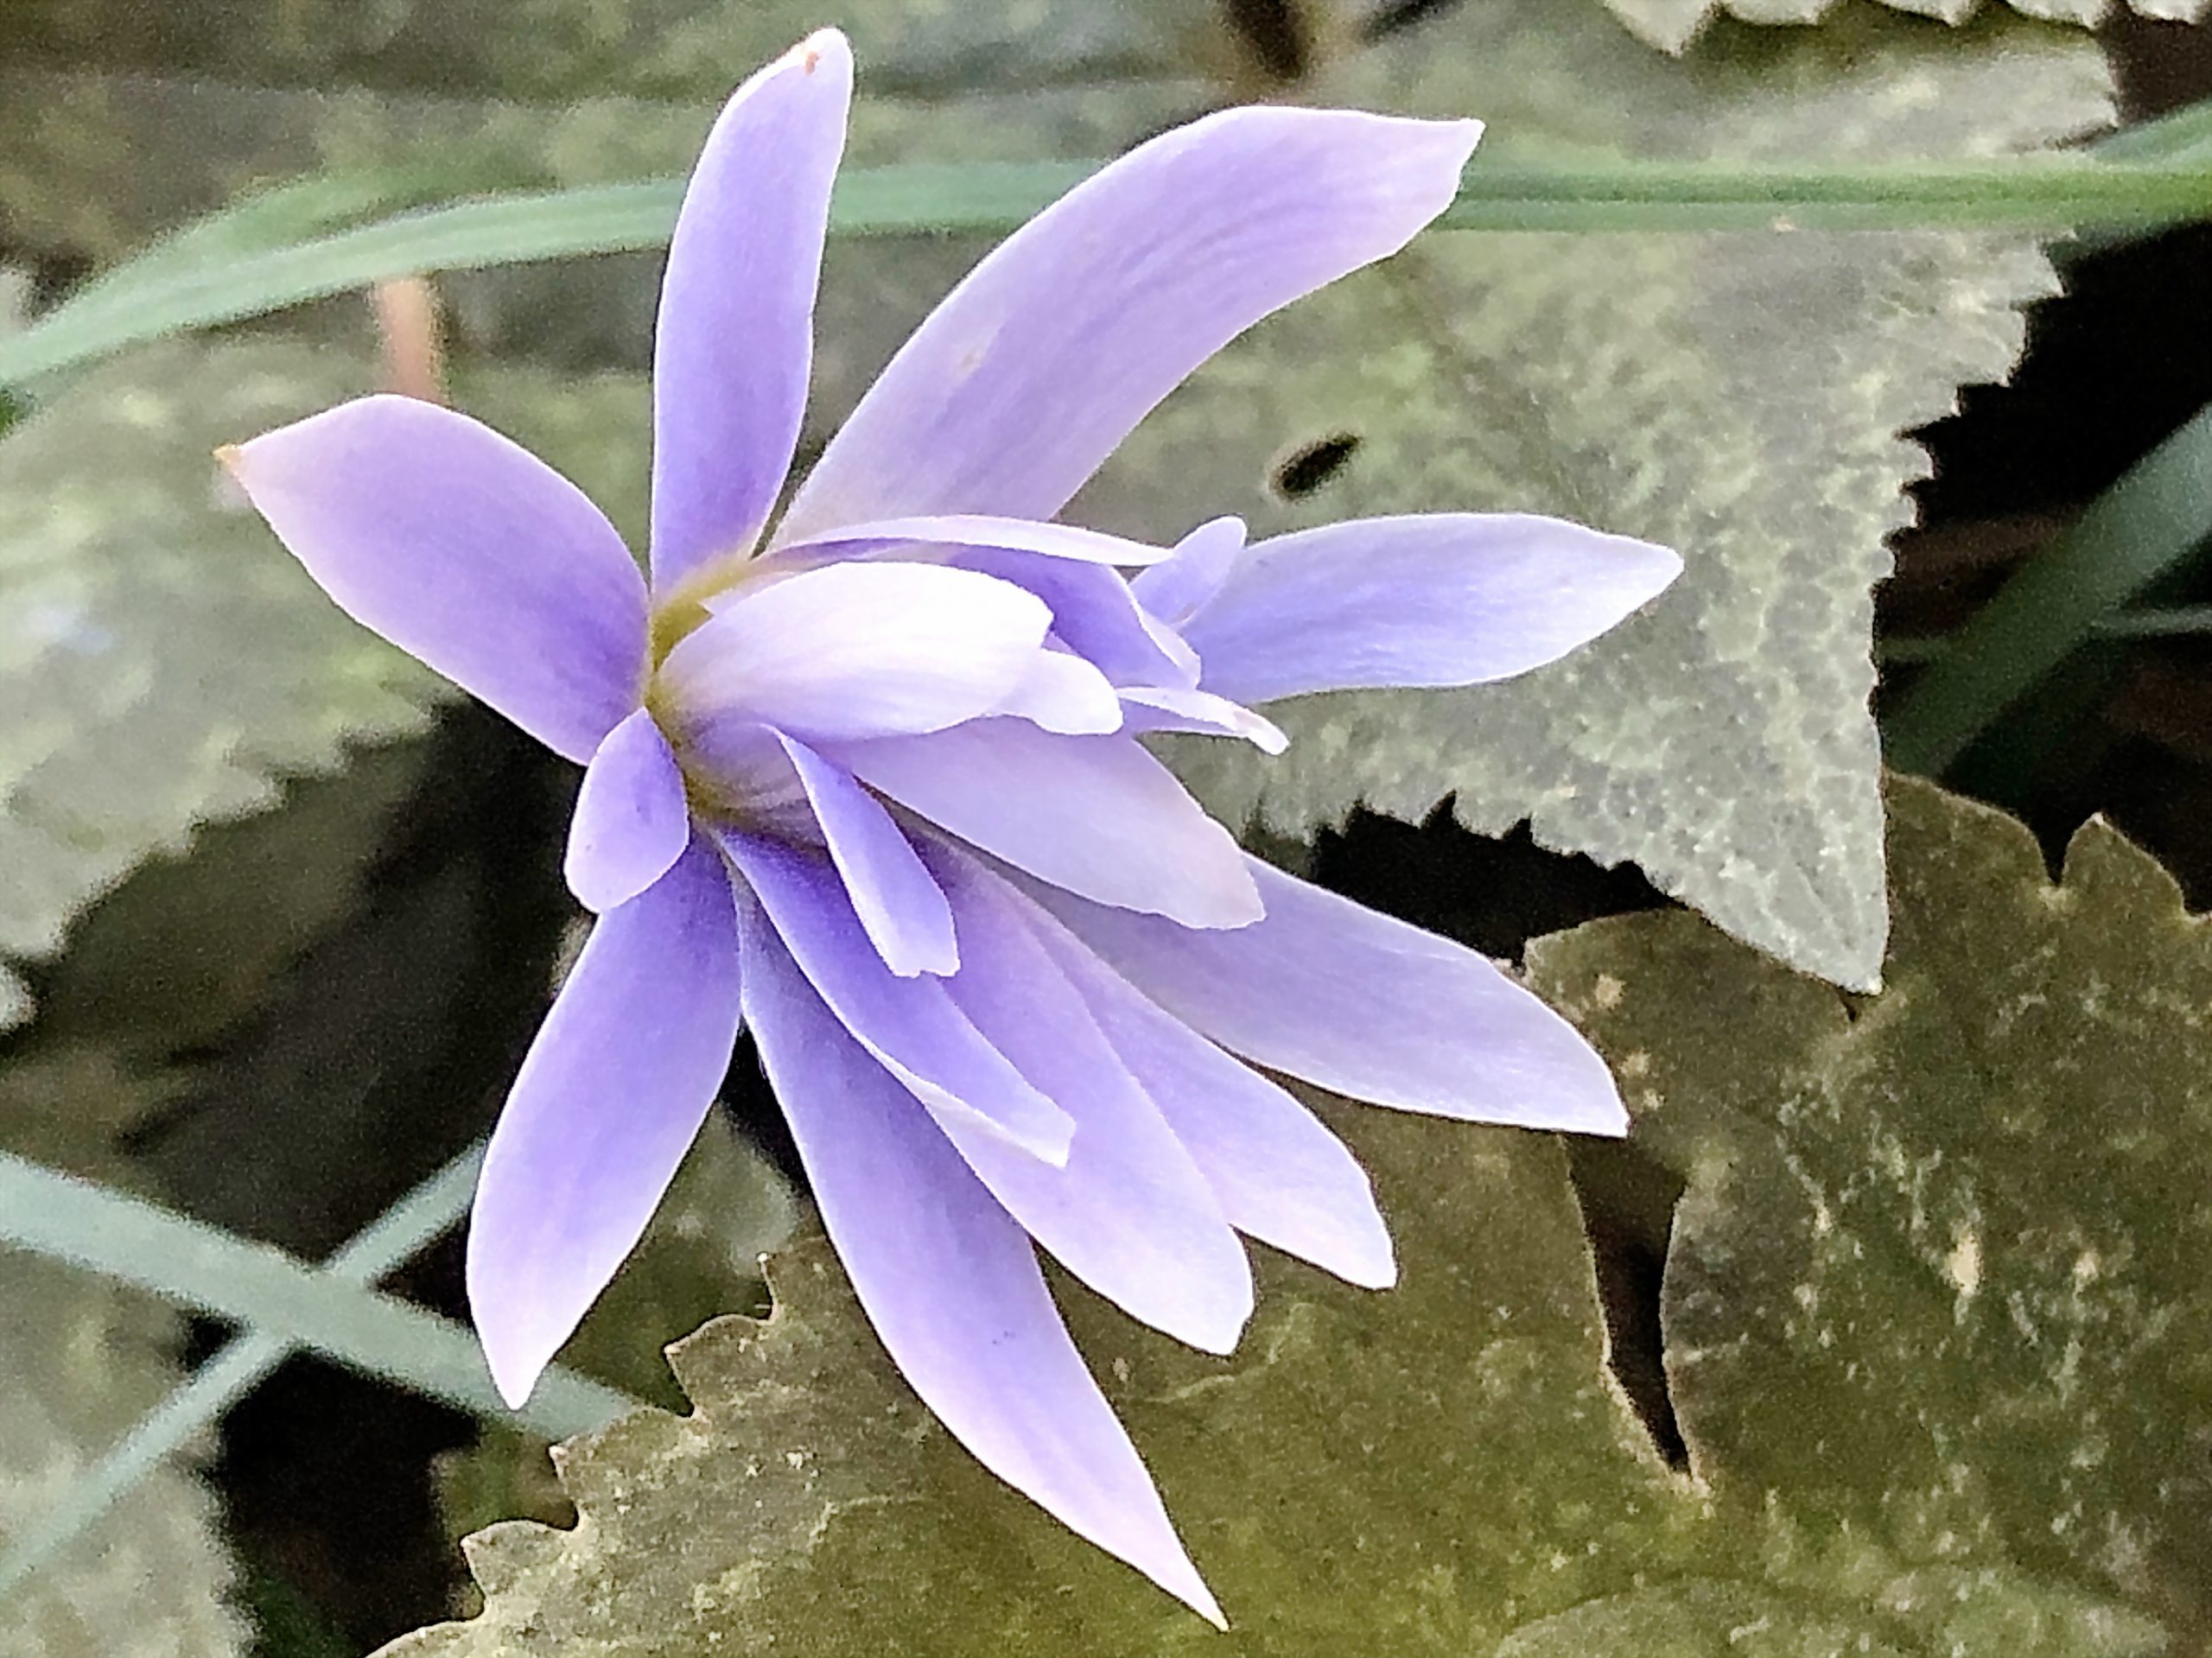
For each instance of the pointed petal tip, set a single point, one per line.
(1659, 567)
(1612, 1121)
(515, 1383)
(1200, 1600)
(515, 1356)
(829, 44)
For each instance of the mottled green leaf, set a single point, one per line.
(1936, 1323)
(700, 1258)
(1970, 1216)
(1736, 396)
(80, 1359)
(1671, 25)
(162, 660)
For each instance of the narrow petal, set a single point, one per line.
(1277, 1172)
(1174, 590)
(854, 650)
(1362, 1005)
(910, 1025)
(1129, 1213)
(631, 822)
(950, 1283)
(464, 551)
(1032, 370)
(1165, 708)
(607, 1101)
(1096, 815)
(979, 530)
(734, 342)
(1440, 599)
(895, 897)
(1063, 693)
(1095, 615)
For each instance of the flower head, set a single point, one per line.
(872, 783)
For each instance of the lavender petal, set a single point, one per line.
(1279, 1175)
(910, 1026)
(1063, 692)
(734, 344)
(631, 822)
(1174, 589)
(466, 551)
(1152, 708)
(1024, 380)
(1095, 615)
(1046, 540)
(894, 896)
(609, 1099)
(1439, 599)
(1128, 1213)
(857, 651)
(1097, 816)
(950, 1283)
(1360, 1004)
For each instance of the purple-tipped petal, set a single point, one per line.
(857, 651)
(910, 1025)
(1030, 372)
(1096, 815)
(1174, 590)
(895, 897)
(1439, 599)
(464, 551)
(1277, 1172)
(631, 821)
(950, 1283)
(1129, 1213)
(979, 530)
(607, 1101)
(1096, 615)
(1063, 693)
(1362, 1005)
(1151, 707)
(733, 344)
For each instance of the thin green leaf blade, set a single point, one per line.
(64, 1218)
(2146, 525)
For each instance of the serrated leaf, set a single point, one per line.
(165, 662)
(161, 659)
(1736, 395)
(1973, 1215)
(80, 1359)
(1670, 25)
(1733, 394)
(1900, 1444)
(700, 1257)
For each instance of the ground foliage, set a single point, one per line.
(1935, 1340)
(1737, 394)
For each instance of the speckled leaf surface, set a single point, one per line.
(699, 1258)
(80, 1361)
(161, 659)
(1971, 1216)
(1670, 25)
(1735, 395)
(165, 662)
(1934, 1325)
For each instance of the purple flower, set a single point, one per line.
(876, 782)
